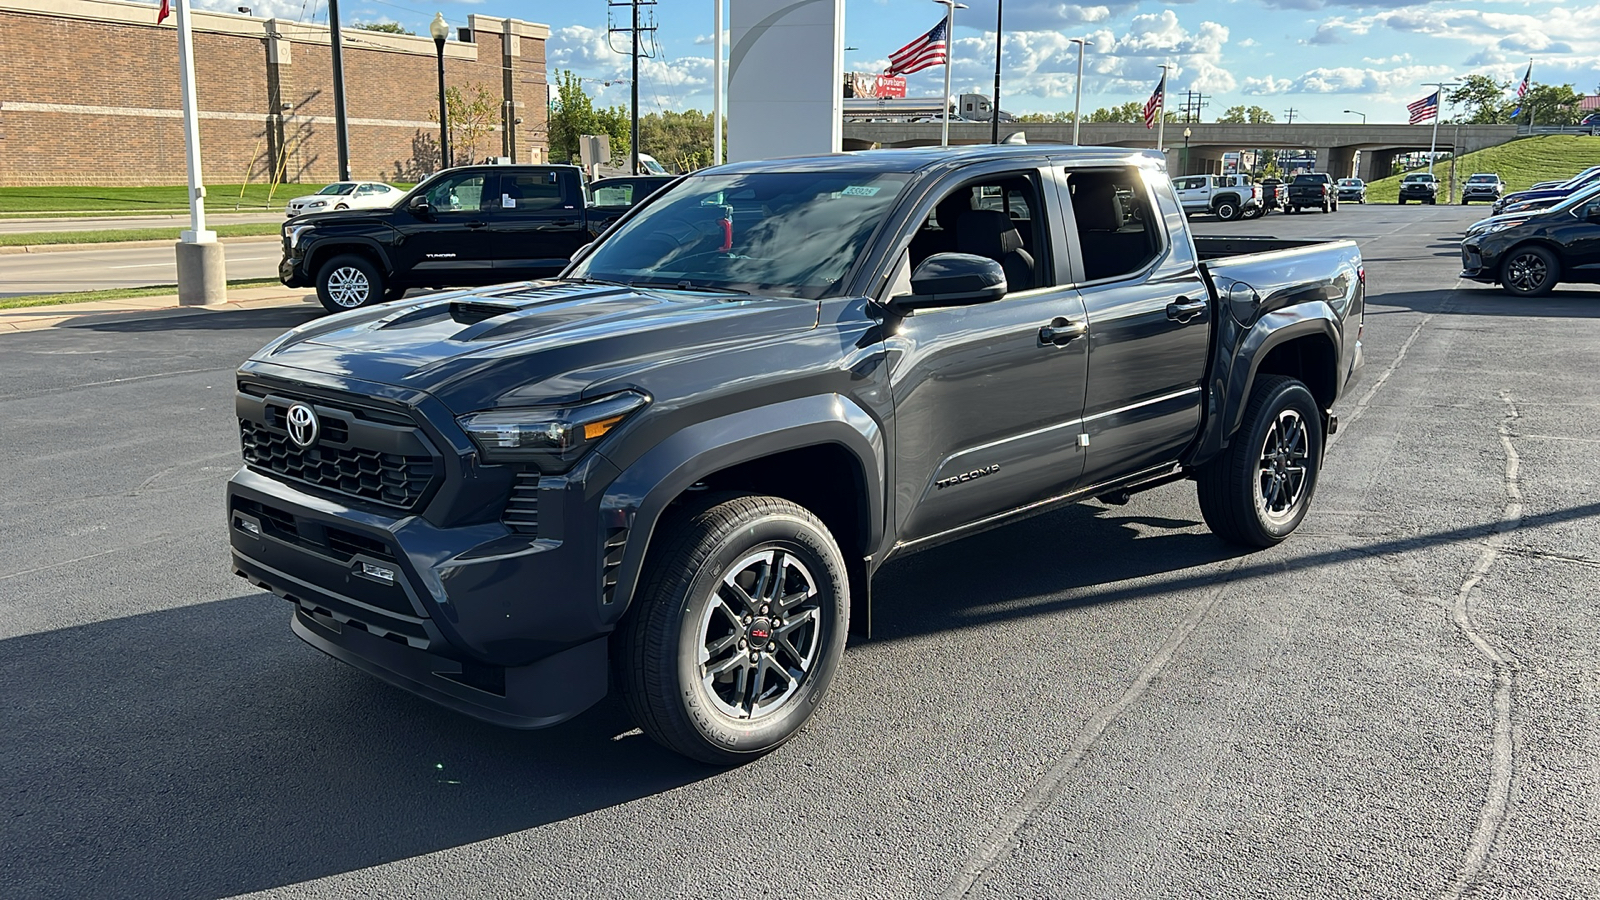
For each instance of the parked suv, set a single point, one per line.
(1421, 187)
(1529, 253)
(471, 225)
(1482, 186)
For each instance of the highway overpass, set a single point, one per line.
(1335, 145)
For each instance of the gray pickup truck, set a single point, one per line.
(673, 470)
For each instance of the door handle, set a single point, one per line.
(558, 223)
(477, 224)
(1184, 309)
(1062, 332)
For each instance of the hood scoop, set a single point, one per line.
(471, 312)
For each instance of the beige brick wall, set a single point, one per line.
(94, 101)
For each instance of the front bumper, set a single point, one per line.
(501, 626)
(290, 272)
(1476, 265)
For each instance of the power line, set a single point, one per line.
(1290, 113)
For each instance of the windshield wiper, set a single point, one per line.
(601, 281)
(687, 285)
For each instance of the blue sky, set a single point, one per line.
(1319, 57)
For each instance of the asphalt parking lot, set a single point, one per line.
(1400, 701)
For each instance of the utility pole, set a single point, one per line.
(1290, 113)
(716, 92)
(999, 44)
(341, 121)
(633, 29)
(1193, 102)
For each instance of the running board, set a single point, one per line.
(1122, 495)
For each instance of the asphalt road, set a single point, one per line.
(1104, 702)
(93, 270)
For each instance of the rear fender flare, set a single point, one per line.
(639, 497)
(1271, 330)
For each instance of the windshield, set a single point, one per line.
(1349, 182)
(343, 187)
(1423, 177)
(792, 234)
(1484, 178)
(1582, 178)
(1310, 179)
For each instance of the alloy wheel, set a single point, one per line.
(1281, 473)
(348, 287)
(761, 634)
(1526, 272)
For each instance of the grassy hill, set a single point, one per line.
(1520, 162)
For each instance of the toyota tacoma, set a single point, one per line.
(672, 471)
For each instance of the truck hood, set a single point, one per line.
(530, 343)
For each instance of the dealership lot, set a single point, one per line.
(1400, 701)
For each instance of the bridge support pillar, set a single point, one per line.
(1376, 164)
(1340, 162)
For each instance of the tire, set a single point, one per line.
(1465, 201)
(1291, 209)
(696, 595)
(1255, 213)
(1251, 494)
(1433, 201)
(1401, 201)
(1335, 205)
(392, 294)
(349, 282)
(1529, 271)
(1327, 206)
(1363, 200)
(1226, 210)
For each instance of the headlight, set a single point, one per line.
(317, 203)
(552, 437)
(293, 232)
(1502, 226)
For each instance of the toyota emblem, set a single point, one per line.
(303, 426)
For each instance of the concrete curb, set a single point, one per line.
(126, 245)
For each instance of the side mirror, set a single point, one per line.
(419, 205)
(953, 279)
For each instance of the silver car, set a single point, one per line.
(1482, 186)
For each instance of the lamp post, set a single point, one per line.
(1186, 133)
(950, 7)
(999, 42)
(440, 29)
(1355, 112)
(718, 87)
(1077, 94)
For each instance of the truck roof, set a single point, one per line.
(917, 159)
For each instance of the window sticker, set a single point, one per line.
(508, 202)
(859, 191)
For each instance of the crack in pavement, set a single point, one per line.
(1492, 814)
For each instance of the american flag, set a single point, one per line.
(1424, 109)
(1152, 107)
(1522, 89)
(924, 52)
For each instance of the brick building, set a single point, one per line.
(89, 94)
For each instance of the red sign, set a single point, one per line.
(876, 87)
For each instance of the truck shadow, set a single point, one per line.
(280, 317)
(204, 752)
(1565, 302)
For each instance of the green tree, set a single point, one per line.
(1551, 104)
(1239, 115)
(1056, 117)
(678, 140)
(1132, 111)
(573, 114)
(384, 27)
(1483, 98)
(472, 114)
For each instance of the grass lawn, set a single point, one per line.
(155, 290)
(1521, 163)
(55, 199)
(118, 235)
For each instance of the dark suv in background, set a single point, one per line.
(1421, 187)
(471, 225)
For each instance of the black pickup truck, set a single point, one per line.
(676, 468)
(471, 225)
(1312, 190)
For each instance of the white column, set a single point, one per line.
(197, 233)
(716, 91)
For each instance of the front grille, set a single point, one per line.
(387, 478)
(522, 510)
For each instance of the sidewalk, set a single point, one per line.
(67, 315)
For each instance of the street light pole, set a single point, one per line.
(1186, 151)
(716, 91)
(1354, 112)
(950, 7)
(440, 30)
(1077, 94)
(999, 43)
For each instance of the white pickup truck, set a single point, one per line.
(1228, 196)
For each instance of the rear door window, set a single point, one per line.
(1116, 226)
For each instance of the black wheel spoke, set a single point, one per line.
(758, 638)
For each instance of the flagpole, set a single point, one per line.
(949, 58)
(1161, 114)
(202, 277)
(716, 99)
(1438, 107)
